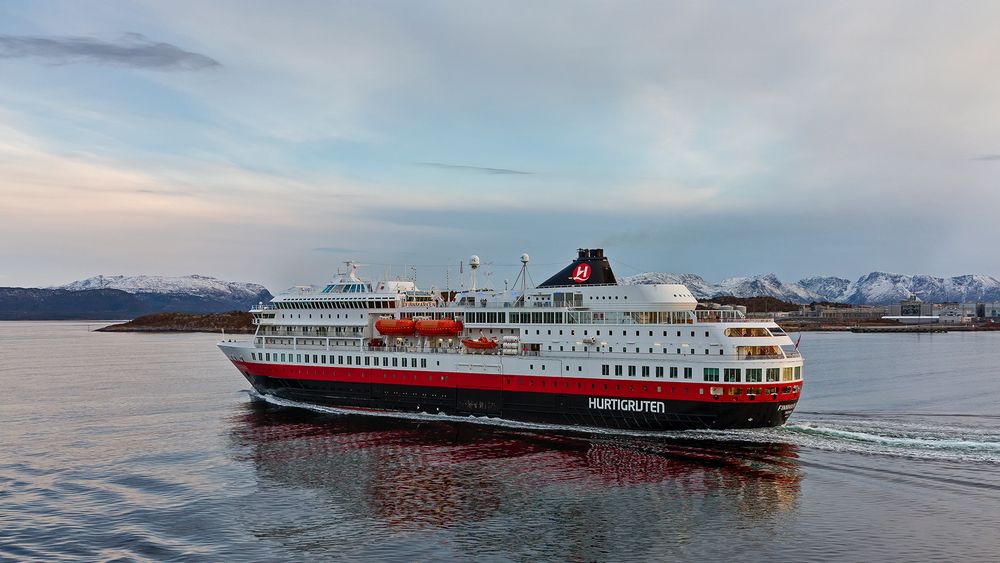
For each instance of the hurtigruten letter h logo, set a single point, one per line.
(581, 273)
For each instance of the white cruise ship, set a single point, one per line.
(578, 349)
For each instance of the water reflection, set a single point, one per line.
(411, 475)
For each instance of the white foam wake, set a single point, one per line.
(870, 435)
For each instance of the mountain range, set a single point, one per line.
(127, 297)
(875, 288)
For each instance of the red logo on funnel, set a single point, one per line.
(581, 273)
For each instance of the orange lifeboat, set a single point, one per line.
(480, 344)
(395, 327)
(443, 327)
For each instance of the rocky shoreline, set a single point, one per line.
(232, 322)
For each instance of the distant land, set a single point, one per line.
(232, 322)
(128, 297)
(875, 288)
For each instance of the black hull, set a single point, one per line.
(547, 408)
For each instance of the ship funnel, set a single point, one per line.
(591, 267)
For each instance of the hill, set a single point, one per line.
(127, 297)
(875, 288)
(231, 322)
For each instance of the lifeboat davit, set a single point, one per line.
(480, 344)
(443, 327)
(395, 327)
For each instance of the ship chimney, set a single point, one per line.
(591, 267)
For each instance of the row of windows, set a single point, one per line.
(372, 361)
(308, 330)
(606, 370)
(337, 304)
(611, 332)
(487, 317)
(753, 375)
(730, 375)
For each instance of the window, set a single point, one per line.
(711, 374)
(731, 375)
(673, 372)
(423, 362)
(772, 374)
(631, 371)
(348, 360)
(268, 356)
(404, 363)
(798, 372)
(395, 362)
(605, 369)
(659, 371)
(367, 360)
(754, 375)
(688, 373)
(385, 361)
(618, 370)
(787, 374)
(645, 371)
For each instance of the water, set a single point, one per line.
(138, 446)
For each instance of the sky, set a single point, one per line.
(271, 141)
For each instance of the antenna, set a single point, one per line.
(473, 265)
(523, 277)
(524, 272)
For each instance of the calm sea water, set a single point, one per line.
(140, 446)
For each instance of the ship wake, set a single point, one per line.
(918, 436)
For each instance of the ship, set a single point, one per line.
(577, 350)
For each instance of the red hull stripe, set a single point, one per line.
(652, 388)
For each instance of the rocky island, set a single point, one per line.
(232, 322)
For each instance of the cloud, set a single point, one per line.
(987, 157)
(473, 169)
(132, 50)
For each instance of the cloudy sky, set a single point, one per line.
(270, 141)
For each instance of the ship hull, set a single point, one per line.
(547, 408)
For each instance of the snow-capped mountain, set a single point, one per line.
(697, 284)
(882, 287)
(751, 286)
(127, 297)
(875, 288)
(767, 285)
(203, 286)
(827, 288)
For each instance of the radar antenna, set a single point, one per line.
(523, 277)
(473, 265)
